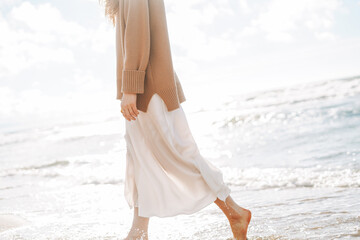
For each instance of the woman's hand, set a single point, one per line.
(128, 106)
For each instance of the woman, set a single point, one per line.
(165, 172)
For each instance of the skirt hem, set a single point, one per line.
(208, 201)
(222, 195)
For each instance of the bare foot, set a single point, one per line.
(239, 219)
(137, 234)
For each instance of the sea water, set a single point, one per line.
(291, 156)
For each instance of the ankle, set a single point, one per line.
(235, 211)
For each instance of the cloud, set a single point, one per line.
(190, 34)
(86, 95)
(45, 19)
(244, 6)
(327, 36)
(4, 3)
(21, 49)
(33, 35)
(50, 65)
(282, 18)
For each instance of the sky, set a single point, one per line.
(57, 58)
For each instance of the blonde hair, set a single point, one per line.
(111, 9)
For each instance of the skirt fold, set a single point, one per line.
(165, 173)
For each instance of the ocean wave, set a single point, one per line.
(103, 181)
(301, 102)
(300, 93)
(314, 177)
(49, 169)
(48, 165)
(249, 178)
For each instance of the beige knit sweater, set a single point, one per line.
(144, 61)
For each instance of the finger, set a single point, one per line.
(132, 110)
(135, 109)
(127, 114)
(123, 113)
(132, 115)
(122, 108)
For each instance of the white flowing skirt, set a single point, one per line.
(165, 173)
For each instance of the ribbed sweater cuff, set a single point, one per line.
(133, 81)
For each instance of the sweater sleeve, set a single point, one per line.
(136, 46)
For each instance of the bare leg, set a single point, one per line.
(139, 228)
(239, 218)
